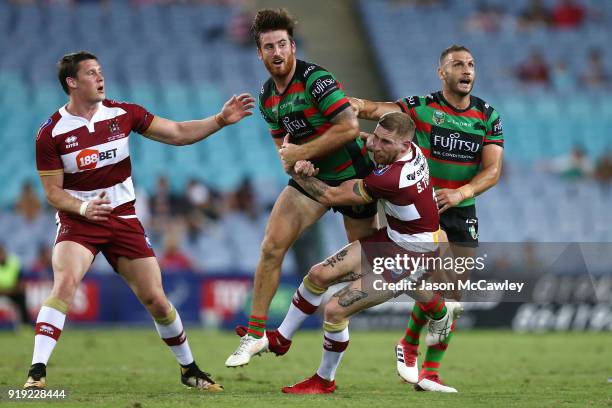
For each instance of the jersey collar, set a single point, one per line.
(410, 155)
(443, 99)
(88, 123)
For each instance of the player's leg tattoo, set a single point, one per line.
(349, 277)
(336, 258)
(347, 296)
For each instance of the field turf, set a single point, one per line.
(133, 368)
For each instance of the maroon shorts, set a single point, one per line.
(115, 237)
(379, 245)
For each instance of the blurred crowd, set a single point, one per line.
(175, 222)
(137, 2)
(535, 70)
(564, 15)
(576, 165)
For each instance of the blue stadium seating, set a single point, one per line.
(171, 60)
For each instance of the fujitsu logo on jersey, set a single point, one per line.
(323, 86)
(454, 142)
(293, 126)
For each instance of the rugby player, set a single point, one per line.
(83, 159)
(401, 184)
(461, 135)
(306, 103)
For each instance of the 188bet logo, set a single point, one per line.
(88, 159)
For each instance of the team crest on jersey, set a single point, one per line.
(381, 170)
(113, 126)
(438, 117)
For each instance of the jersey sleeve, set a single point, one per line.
(48, 160)
(408, 105)
(495, 132)
(326, 93)
(275, 129)
(382, 183)
(141, 118)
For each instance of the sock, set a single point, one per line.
(49, 326)
(416, 322)
(335, 341)
(257, 326)
(434, 355)
(435, 308)
(306, 300)
(170, 329)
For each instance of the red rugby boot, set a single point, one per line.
(312, 385)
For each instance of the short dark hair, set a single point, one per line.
(68, 66)
(271, 20)
(398, 122)
(453, 48)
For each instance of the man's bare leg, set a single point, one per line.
(292, 213)
(143, 276)
(70, 262)
(358, 228)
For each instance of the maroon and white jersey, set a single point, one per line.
(407, 197)
(93, 155)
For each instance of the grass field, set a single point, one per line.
(132, 368)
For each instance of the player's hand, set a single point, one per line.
(289, 153)
(236, 108)
(304, 168)
(98, 209)
(357, 105)
(447, 198)
(368, 138)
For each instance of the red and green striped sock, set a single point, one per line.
(434, 355)
(418, 320)
(435, 308)
(257, 326)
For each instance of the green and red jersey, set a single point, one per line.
(305, 111)
(452, 139)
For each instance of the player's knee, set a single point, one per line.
(334, 313)
(273, 250)
(156, 304)
(64, 287)
(316, 275)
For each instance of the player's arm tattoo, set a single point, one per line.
(344, 194)
(337, 258)
(315, 187)
(347, 296)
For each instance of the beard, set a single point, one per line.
(280, 71)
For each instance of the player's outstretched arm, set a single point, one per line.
(345, 128)
(370, 110)
(192, 131)
(487, 177)
(351, 192)
(97, 209)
